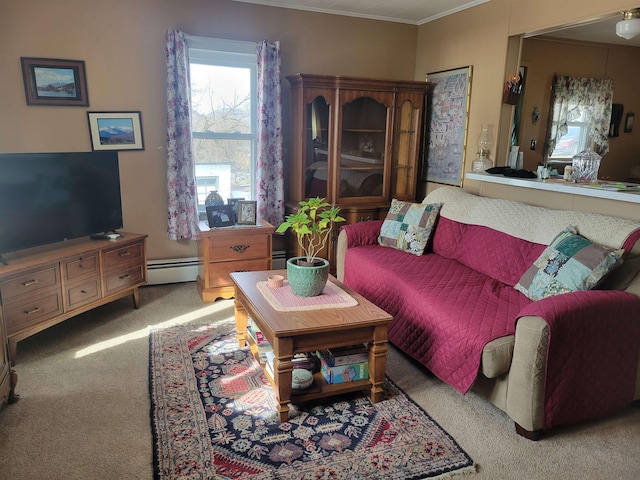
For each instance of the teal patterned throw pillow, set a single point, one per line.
(408, 226)
(570, 263)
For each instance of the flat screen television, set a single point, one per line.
(51, 197)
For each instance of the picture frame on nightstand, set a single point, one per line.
(247, 212)
(233, 203)
(220, 216)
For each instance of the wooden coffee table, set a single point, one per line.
(299, 331)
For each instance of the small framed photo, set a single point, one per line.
(49, 81)
(247, 212)
(115, 130)
(220, 216)
(233, 203)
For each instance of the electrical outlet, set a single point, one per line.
(533, 144)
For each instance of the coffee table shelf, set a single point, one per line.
(320, 388)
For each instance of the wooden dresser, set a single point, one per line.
(43, 286)
(240, 248)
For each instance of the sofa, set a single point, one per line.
(460, 308)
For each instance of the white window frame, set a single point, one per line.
(229, 53)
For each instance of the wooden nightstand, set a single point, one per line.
(240, 248)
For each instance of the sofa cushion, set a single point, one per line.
(408, 226)
(496, 254)
(444, 312)
(570, 263)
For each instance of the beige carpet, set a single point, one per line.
(84, 408)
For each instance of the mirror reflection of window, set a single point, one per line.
(581, 116)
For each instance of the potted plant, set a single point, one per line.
(312, 224)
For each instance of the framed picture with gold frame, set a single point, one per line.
(447, 119)
(247, 212)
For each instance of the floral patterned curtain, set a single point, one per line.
(575, 95)
(182, 212)
(270, 178)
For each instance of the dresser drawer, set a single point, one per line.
(75, 268)
(32, 312)
(83, 293)
(119, 257)
(124, 279)
(29, 283)
(218, 274)
(239, 247)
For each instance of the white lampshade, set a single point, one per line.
(630, 26)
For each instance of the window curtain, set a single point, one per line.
(182, 211)
(572, 97)
(269, 171)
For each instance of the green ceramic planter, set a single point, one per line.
(305, 280)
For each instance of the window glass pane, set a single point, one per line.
(221, 99)
(224, 163)
(573, 142)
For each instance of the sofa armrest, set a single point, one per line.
(354, 235)
(527, 373)
(575, 358)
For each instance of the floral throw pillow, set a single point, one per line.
(569, 264)
(408, 226)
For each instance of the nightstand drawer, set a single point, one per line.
(32, 312)
(239, 247)
(219, 276)
(29, 283)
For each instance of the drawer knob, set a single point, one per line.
(29, 283)
(126, 253)
(239, 248)
(125, 276)
(35, 310)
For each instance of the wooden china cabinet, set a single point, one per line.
(355, 142)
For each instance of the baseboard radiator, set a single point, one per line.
(177, 270)
(172, 270)
(279, 260)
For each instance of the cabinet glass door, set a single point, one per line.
(363, 148)
(405, 151)
(317, 149)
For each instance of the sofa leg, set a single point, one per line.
(534, 435)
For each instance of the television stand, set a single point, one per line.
(46, 285)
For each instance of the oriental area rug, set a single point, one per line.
(213, 415)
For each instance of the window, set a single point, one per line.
(572, 142)
(223, 85)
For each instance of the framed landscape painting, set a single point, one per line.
(448, 97)
(115, 130)
(49, 81)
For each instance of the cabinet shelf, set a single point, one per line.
(363, 130)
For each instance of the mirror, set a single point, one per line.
(587, 50)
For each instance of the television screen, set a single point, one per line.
(51, 197)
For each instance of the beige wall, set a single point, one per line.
(122, 45)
